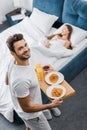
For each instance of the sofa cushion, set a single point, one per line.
(54, 7)
(75, 12)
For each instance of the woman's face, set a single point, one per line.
(65, 30)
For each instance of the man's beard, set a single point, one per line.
(22, 57)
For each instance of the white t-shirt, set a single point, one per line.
(23, 82)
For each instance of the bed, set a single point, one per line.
(70, 63)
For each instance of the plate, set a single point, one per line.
(49, 90)
(60, 78)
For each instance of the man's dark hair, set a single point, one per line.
(12, 39)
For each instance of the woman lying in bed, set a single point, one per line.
(55, 46)
(61, 39)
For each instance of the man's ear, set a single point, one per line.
(12, 53)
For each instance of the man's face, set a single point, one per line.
(22, 51)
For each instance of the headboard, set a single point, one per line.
(50, 6)
(75, 12)
(69, 11)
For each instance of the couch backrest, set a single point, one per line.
(75, 12)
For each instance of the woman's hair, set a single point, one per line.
(70, 30)
(12, 39)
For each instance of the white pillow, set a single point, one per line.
(77, 35)
(43, 20)
(29, 28)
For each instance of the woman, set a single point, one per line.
(62, 39)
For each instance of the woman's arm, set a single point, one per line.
(68, 45)
(50, 37)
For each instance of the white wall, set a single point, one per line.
(28, 4)
(7, 6)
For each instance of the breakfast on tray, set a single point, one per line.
(53, 78)
(56, 92)
(46, 67)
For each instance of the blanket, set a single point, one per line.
(43, 55)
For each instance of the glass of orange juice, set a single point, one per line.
(40, 73)
(38, 66)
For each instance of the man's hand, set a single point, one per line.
(57, 102)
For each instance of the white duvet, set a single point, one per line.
(43, 55)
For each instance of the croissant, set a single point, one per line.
(56, 92)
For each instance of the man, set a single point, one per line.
(24, 86)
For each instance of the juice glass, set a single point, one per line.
(38, 66)
(40, 73)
